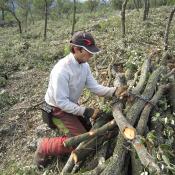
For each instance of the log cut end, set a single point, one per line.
(129, 133)
(75, 157)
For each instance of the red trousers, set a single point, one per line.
(54, 146)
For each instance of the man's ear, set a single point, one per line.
(78, 49)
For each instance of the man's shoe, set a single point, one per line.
(40, 159)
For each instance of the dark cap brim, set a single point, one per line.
(91, 49)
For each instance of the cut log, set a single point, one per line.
(99, 122)
(141, 126)
(125, 128)
(91, 146)
(144, 74)
(168, 29)
(138, 106)
(116, 165)
(74, 141)
(144, 156)
(172, 97)
(70, 163)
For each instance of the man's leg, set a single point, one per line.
(54, 146)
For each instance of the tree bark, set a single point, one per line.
(125, 128)
(74, 20)
(136, 5)
(45, 23)
(146, 9)
(145, 158)
(123, 18)
(172, 97)
(144, 74)
(89, 147)
(73, 141)
(137, 107)
(116, 165)
(99, 122)
(3, 15)
(141, 126)
(69, 164)
(168, 29)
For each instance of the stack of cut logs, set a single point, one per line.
(126, 125)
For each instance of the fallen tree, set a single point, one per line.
(145, 96)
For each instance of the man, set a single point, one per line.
(67, 81)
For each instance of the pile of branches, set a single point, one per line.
(126, 125)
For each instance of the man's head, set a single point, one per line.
(83, 46)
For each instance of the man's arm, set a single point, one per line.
(96, 88)
(61, 95)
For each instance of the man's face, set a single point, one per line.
(82, 55)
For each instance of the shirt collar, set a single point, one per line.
(73, 59)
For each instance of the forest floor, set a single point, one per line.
(26, 61)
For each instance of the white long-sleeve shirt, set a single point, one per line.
(67, 80)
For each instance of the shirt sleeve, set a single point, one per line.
(61, 94)
(96, 88)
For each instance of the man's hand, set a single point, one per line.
(121, 92)
(91, 114)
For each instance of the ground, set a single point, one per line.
(27, 61)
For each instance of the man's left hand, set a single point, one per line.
(121, 92)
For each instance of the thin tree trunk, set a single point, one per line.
(14, 14)
(31, 15)
(123, 18)
(146, 9)
(136, 5)
(18, 21)
(26, 20)
(74, 20)
(45, 25)
(168, 29)
(3, 15)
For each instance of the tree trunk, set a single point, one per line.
(144, 156)
(3, 15)
(141, 127)
(168, 29)
(31, 15)
(123, 18)
(146, 9)
(125, 128)
(144, 74)
(73, 141)
(18, 21)
(45, 24)
(172, 97)
(99, 122)
(26, 20)
(136, 5)
(117, 163)
(74, 20)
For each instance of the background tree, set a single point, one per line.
(64, 7)
(9, 6)
(3, 15)
(116, 4)
(74, 20)
(146, 9)
(25, 6)
(123, 17)
(92, 4)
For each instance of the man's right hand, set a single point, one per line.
(91, 113)
(121, 92)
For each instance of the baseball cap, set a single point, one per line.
(86, 41)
